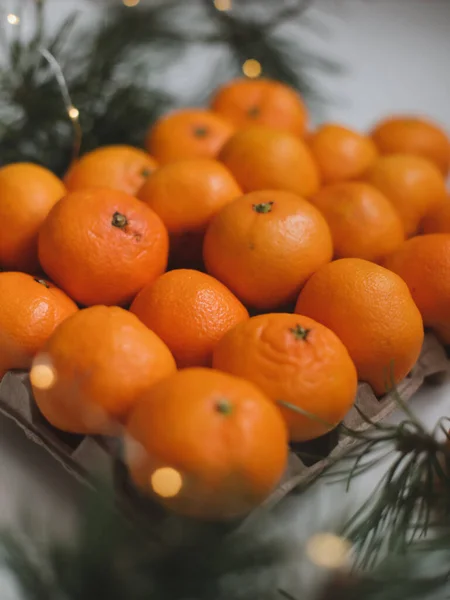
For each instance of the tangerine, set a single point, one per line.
(220, 434)
(190, 311)
(371, 310)
(299, 364)
(103, 359)
(102, 246)
(265, 245)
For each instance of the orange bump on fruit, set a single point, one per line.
(188, 133)
(31, 309)
(220, 433)
(263, 159)
(265, 245)
(412, 184)
(103, 359)
(191, 312)
(371, 310)
(363, 223)
(341, 153)
(119, 167)
(262, 101)
(186, 195)
(424, 263)
(299, 364)
(102, 246)
(414, 135)
(27, 193)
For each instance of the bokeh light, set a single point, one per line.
(328, 550)
(42, 373)
(252, 68)
(13, 19)
(222, 5)
(166, 482)
(73, 113)
(131, 3)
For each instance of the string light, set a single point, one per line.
(222, 5)
(73, 113)
(13, 19)
(131, 3)
(328, 551)
(42, 374)
(166, 482)
(252, 68)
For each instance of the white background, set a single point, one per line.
(396, 53)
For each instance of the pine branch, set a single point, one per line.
(113, 72)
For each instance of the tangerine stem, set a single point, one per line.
(300, 333)
(224, 406)
(119, 220)
(263, 207)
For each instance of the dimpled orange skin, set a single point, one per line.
(224, 437)
(265, 245)
(103, 358)
(186, 195)
(263, 159)
(293, 359)
(371, 310)
(412, 184)
(31, 309)
(119, 167)
(102, 246)
(437, 220)
(191, 312)
(424, 263)
(363, 223)
(413, 135)
(341, 153)
(188, 133)
(27, 193)
(246, 102)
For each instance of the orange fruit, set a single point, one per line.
(341, 153)
(412, 184)
(31, 308)
(188, 133)
(424, 263)
(363, 223)
(103, 358)
(295, 361)
(413, 135)
(102, 246)
(27, 193)
(119, 167)
(186, 195)
(438, 220)
(190, 311)
(261, 102)
(265, 245)
(371, 310)
(263, 159)
(223, 438)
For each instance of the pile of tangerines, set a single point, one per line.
(221, 294)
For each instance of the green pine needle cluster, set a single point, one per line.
(114, 70)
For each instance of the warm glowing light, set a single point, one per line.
(131, 2)
(222, 4)
(328, 551)
(13, 19)
(166, 482)
(42, 374)
(73, 113)
(252, 68)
